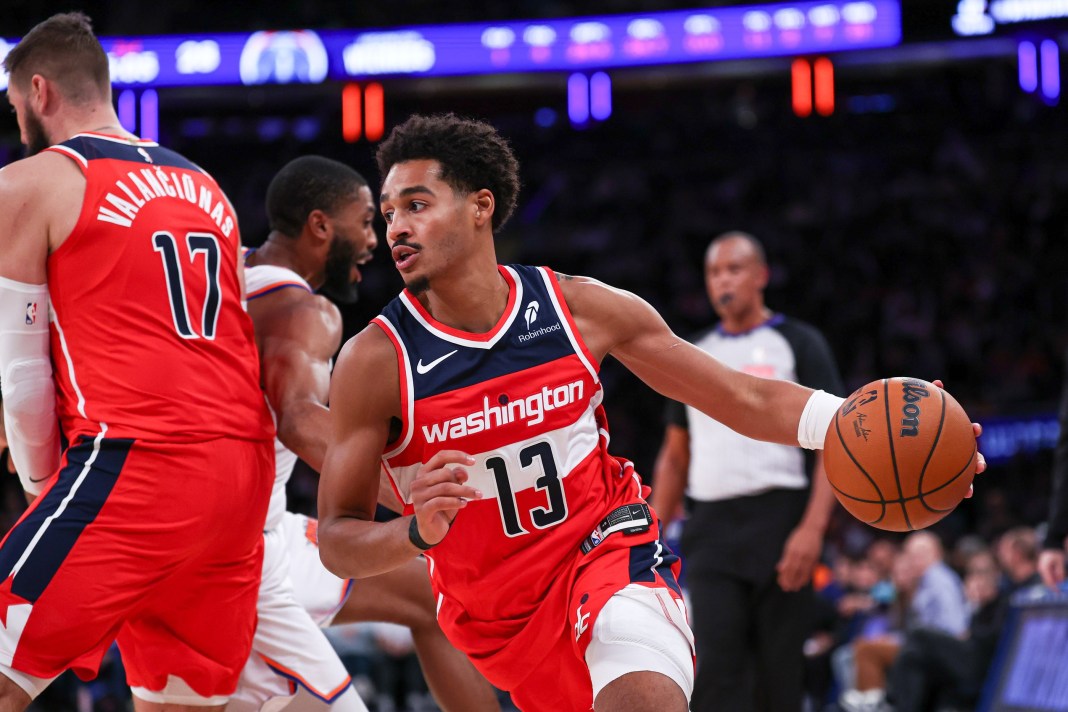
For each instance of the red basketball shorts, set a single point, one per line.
(560, 680)
(158, 545)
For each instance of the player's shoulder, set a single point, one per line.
(46, 170)
(291, 307)
(369, 346)
(586, 294)
(368, 367)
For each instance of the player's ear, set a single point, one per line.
(318, 225)
(483, 206)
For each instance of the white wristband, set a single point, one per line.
(816, 418)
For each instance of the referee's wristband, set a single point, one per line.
(415, 538)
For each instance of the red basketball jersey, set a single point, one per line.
(150, 339)
(524, 400)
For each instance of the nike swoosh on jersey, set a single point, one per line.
(422, 368)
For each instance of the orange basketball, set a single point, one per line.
(900, 454)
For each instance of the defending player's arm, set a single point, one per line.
(364, 399)
(622, 324)
(297, 334)
(25, 357)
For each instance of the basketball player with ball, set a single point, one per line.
(547, 563)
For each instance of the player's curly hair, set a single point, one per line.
(472, 155)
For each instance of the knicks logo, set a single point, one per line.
(31, 313)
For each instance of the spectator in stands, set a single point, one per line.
(937, 604)
(934, 668)
(1017, 554)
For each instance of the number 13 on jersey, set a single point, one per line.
(539, 455)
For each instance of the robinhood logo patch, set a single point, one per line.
(531, 316)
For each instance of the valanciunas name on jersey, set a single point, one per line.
(155, 183)
(532, 409)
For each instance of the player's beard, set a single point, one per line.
(36, 139)
(338, 285)
(418, 285)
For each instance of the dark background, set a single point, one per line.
(921, 227)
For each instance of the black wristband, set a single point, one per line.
(413, 536)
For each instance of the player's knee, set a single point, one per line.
(641, 630)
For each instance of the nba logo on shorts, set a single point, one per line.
(31, 313)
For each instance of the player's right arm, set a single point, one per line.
(364, 399)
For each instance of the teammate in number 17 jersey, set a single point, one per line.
(121, 316)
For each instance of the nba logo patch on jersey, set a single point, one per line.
(31, 313)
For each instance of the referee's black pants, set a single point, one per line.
(748, 632)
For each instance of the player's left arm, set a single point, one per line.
(617, 322)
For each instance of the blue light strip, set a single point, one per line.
(127, 110)
(1028, 61)
(571, 44)
(150, 115)
(578, 99)
(1051, 70)
(600, 96)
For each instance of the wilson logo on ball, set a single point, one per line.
(911, 393)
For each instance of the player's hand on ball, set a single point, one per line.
(980, 464)
(439, 492)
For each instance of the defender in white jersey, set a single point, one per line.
(321, 215)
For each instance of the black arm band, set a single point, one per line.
(413, 536)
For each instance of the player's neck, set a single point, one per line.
(474, 303)
(99, 119)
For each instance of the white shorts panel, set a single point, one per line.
(177, 692)
(641, 629)
(321, 593)
(288, 645)
(30, 684)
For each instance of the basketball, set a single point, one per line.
(900, 454)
